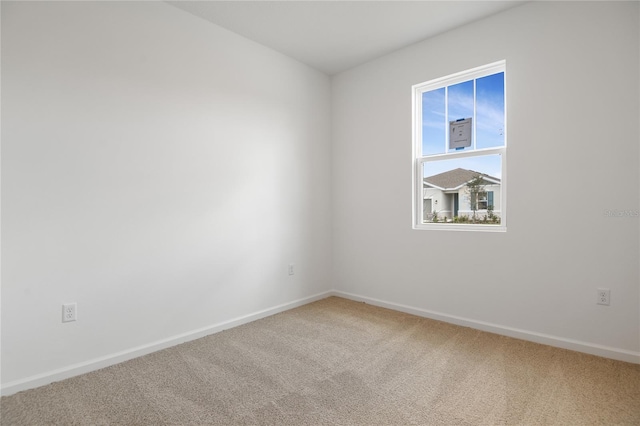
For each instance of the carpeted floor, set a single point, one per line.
(339, 362)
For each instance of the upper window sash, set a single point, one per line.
(444, 83)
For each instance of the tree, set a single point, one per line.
(475, 187)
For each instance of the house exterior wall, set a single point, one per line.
(437, 200)
(465, 201)
(443, 203)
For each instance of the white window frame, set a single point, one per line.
(419, 160)
(484, 200)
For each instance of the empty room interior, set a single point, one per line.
(229, 212)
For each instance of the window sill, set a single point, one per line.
(459, 227)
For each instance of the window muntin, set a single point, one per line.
(450, 200)
(460, 104)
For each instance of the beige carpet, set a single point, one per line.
(339, 362)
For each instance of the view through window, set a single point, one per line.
(460, 150)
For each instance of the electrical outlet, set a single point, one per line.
(69, 312)
(291, 269)
(603, 296)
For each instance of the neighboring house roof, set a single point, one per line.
(456, 178)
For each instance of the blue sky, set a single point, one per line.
(489, 122)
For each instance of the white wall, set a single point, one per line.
(162, 172)
(159, 171)
(573, 113)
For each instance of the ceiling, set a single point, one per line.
(333, 36)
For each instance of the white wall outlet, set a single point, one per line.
(291, 269)
(603, 296)
(69, 312)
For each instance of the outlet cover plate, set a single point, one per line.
(603, 296)
(69, 312)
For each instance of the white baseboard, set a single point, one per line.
(546, 339)
(116, 358)
(106, 361)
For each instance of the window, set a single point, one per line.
(460, 151)
(480, 200)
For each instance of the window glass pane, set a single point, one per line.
(490, 111)
(460, 103)
(461, 139)
(433, 122)
(457, 190)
